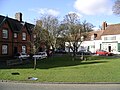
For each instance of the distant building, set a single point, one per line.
(107, 39)
(93, 41)
(111, 39)
(15, 35)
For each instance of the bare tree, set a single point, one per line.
(72, 31)
(51, 24)
(116, 7)
(87, 27)
(36, 37)
(47, 30)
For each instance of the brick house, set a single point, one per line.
(15, 35)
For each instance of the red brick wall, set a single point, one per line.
(6, 41)
(25, 42)
(14, 42)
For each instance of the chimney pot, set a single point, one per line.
(18, 16)
(104, 25)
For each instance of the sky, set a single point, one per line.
(93, 11)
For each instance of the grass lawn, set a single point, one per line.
(64, 69)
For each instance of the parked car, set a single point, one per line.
(22, 56)
(40, 55)
(60, 51)
(84, 52)
(104, 53)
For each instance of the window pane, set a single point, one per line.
(5, 33)
(15, 35)
(24, 49)
(23, 36)
(4, 49)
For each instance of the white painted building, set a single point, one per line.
(111, 39)
(107, 39)
(92, 42)
(92, 46)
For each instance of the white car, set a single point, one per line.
(40, 55)
(22, 56)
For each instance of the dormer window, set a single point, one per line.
(23, 36)
(4, 33)
(93, 37)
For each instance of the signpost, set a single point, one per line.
(34, 63)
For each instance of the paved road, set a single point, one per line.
(37, 86)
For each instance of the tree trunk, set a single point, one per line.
(74, 53)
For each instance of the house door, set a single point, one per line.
(100, 46)
(88, 48)
(109, 48)
(15, 50)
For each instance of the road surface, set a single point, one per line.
(39, 86)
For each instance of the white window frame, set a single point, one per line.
(24, 49)
(110, 38)
(5, 33)
(24, 36)
(4, 49)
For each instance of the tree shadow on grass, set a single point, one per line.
(67, 64)
(53, 63)
(93, 62)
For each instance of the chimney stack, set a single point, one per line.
(104, 25)
(18, 16)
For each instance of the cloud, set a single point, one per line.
(46, 11)
(94, 7)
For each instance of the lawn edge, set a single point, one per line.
(59, 82)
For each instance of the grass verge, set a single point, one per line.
(64, 69)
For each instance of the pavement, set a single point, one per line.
(43, 86)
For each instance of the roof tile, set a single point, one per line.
(113, 29)
(16, 25)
